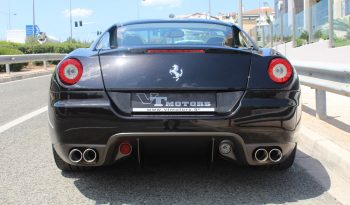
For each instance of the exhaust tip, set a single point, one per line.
(275, 155)
(261, 155)
(75, 155)
(89, 155)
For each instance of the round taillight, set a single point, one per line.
(125, 148)
(70, 71)
(280, 70)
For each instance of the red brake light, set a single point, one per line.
(280, 70)
(175, 51)
(70, 71)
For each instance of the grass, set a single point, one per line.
(341, 42)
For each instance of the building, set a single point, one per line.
(311, 18)
(16, 36)
(197, 15)
(254, 19)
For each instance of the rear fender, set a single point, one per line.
(91, 78)
(259, 79)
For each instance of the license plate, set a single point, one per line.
(173, 102)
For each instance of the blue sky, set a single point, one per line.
(52, 18)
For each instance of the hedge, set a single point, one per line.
(8, 48)
(51, 47)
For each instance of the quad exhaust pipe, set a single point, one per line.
(75, 156)
(89, 155)
(261, 155)
(275, 155)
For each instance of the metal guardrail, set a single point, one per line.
(11, 59)
(324, 77)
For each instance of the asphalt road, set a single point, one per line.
(28, 174)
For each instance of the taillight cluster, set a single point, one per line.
(70, 71)
(280, 70)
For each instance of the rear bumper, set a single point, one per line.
(261, 119)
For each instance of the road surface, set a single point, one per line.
(28, 174)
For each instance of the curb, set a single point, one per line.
(332, 156)
(24, 76)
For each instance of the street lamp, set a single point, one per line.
(71, 20)
(280, 4)
(33, 19)
(209, 8)
(10, 15)
(240, 18)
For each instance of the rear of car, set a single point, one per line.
(157, 81)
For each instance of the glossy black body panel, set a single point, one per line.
(200, 71)
(253, 107)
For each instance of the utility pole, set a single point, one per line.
(33, 19)
(209, 9)
(71, 20)
(259, 26)
(331, 23)
(294, 27)
(281, 16)
(240, 18)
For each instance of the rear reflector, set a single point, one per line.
(280, 70)
(70, 71)
(125, 148)
(175, 51)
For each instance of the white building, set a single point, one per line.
(16, 36)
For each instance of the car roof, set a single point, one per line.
(175, 21)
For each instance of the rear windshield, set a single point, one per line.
(158, 34)
(174, 34)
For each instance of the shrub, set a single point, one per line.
(319, 34)
(32, 46)
(300, 42)
(304, 35)
(51, 47)
(338, 42)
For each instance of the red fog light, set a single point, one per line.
(280, 70)
(125, 148)
(70, 71)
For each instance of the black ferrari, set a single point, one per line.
(174, 83)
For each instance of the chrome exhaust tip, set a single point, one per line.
(261, 155)
(75, 156)
(89, 155)
(275, 155)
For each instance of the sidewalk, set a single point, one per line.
(318, 51)
(328, 141)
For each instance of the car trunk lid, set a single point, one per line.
(154, 69)
(168, 81)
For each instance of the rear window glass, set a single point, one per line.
(173, 34)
